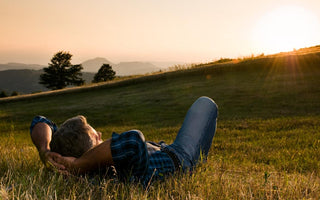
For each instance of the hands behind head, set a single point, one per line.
(49, 159)
(57, 162)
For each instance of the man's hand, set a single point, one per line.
(66, 162)
(50, 158)
(69, 165)
(98, 156)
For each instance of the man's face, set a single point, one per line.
(95, 136)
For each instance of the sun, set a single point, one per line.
(284, 29)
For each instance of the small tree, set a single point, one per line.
(105, 73)
(61, 72)
(14, 93)
(3, 94)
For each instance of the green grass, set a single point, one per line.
(267, 145)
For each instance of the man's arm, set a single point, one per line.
(99, 156)
(41, 137)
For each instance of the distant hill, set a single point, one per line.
(24, 78)
(26, 81)
(21, 81)
(10, 66)
(93, 65)
(122, 68)
(133, 68)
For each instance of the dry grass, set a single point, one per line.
(266, 147)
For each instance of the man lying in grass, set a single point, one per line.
(76, 147)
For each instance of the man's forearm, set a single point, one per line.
(99, 156)
(41, 137)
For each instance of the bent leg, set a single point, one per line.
(196, 133)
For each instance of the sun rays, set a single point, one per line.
(285, 28)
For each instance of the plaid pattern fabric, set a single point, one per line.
(160, 165)
(132, 159)
(129, 154)
(39, 118)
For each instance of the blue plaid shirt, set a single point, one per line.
(43, 119)
(134, 159)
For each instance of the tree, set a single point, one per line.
(105, 73)
(3, 94)
(14, 93)
(60, 73)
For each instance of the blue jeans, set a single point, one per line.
(196, 133)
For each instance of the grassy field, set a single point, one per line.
(267, 145)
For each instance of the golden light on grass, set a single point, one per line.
(286, 28)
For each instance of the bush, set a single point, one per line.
(14, 93)
(3, 94)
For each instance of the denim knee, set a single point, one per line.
(210, 102)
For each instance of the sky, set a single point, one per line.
(189, 31)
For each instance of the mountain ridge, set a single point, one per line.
(16, 65)
(94, 64)
(121, 68)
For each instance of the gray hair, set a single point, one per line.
(72, 138)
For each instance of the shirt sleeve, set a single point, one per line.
(43, 119)
(130, 155)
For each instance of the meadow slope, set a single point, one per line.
(267, 144)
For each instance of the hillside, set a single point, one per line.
(266, 145)
(26, 81)
(21, 81)
(10, 66)
(262, 79)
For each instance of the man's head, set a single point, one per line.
(74, 137)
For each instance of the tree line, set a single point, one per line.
(60, 73)
(4, 94)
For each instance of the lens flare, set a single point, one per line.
(286, 28)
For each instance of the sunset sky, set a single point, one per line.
(154, 30)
